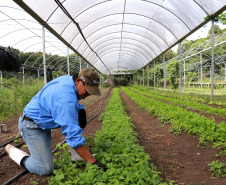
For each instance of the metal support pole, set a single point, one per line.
(212, 60)
(148, 76)
(184, 76)
(23, 76)
(100, 80)
(44, 54)
(154, 75)
(68, 67)
(180, 68)
(163, 57)
(143, 76)
(201, 71)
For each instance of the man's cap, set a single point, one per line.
(91, 80)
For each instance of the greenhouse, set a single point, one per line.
(113, 92)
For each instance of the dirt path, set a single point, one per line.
(9, 168)
(177, 157)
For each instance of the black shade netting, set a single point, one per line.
(9, 61)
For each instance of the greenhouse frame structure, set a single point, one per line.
(120, 35)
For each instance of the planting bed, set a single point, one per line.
(176, 156)
(9, 168)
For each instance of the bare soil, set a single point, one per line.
(176, 156)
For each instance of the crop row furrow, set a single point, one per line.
(182, 119)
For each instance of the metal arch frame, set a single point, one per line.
(206, 43)
(123, 38)
(22, 25)
(32, 55)
(125, 47)
(123, 13)
(58, 62)
(50, 29)
(35, 52)
(19, 30)
(140, 61)
(62, 62)
(132, 55)
(28, 9)
(42, 56)
(116, 67)
(112, 68)
(100, 52)
(137, 61)
(28, 38)
(171, 13)
(126, 42)
(119, 24)
(201, 7)
(51, 60)
(131, 64)
(117, 50)
(80, 12)
(123, 16)
(123, 32)
(197, 65)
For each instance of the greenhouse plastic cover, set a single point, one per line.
(121, 35)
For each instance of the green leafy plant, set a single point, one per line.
(181, 119)
(218, 168)
(16, 141)
(115, 146)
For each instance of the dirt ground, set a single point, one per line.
(176, 156)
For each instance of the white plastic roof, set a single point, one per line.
(121, 34)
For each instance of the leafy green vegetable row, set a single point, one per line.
(182, 119)
(115, 146)
(194, 97)
(181, 101)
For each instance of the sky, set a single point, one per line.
(201, 32)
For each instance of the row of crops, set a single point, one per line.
(116, 147)
(183, 100)
(208, 131)
(116, 144)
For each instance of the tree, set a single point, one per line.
(172, 69)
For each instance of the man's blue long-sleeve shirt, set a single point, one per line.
(56, 105)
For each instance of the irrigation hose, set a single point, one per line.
(3, 144)
(26, 171)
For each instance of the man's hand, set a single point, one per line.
(82, 118)
(100, 165)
